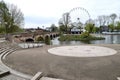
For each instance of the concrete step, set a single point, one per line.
(37, 76)
(12, 77)
(48, 78)
(6, 53)
(118, 78)
(4, 73)
(2, 51)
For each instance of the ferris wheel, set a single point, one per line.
(79, 14)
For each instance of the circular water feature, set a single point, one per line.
(82, 51)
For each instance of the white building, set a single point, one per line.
(77, 28)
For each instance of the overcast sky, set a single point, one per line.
(46, 12)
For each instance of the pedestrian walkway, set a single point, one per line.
(10, 74)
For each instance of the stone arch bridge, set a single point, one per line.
(30, 37)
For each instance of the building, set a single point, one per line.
(75, 30)
(104, 29)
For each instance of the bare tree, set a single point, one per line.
(103, 20)
(113, 17)
(60, 22)
(16, 15)
(54, 28)
(66, 20)
(90, 21)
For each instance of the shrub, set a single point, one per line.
(39, 38)
(47, 40)
(85, 36)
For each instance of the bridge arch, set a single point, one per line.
(29, 40)
(51, 36)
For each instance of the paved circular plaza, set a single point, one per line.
(82, 51)
(102, 67)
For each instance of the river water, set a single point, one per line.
(109, 39)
